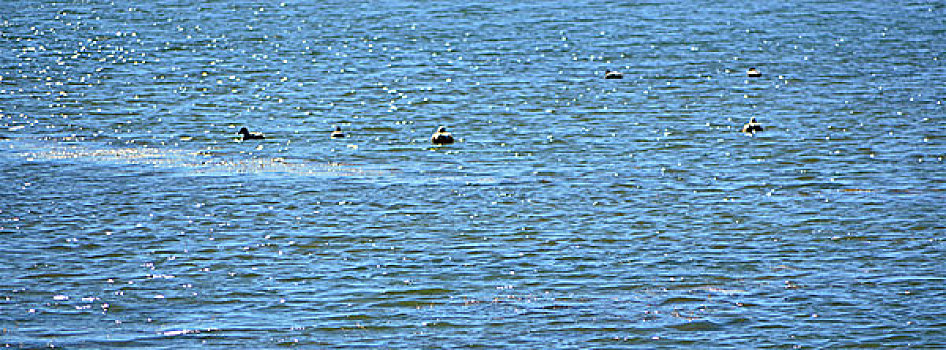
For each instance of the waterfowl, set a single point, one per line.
(608, 74)
(247, 135)
(752, 126)
(753, 73)
(337, 134)
(441, 137)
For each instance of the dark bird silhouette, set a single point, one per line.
(247, 135)
(752, 126)
(441, 137)
(338, 133)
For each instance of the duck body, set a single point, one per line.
(441, 137)
(608, 74)
(753, 73)
(338, 133)
(752, 126)
(247, 135)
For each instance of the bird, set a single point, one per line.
(247, 135)
(441, 137)
(609, 74)
(753, 73)
(337, 134)
(752, 126)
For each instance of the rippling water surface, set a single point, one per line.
(573, 212)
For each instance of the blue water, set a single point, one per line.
(573, 212)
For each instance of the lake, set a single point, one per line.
(573, 212)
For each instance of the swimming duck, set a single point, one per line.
(247, 135)
(752, 126)
(753, 73)
(337, 134)
(441, 137)
(608, 74)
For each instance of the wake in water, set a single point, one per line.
(195, 162)
(207, 163)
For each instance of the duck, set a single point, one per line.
(247, 135)
(338, 133)
(753, 73)
(441, 137)
(752, 126)
(609, 74)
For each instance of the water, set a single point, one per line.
(574, 212)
